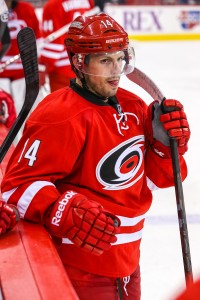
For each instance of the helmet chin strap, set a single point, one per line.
(83, 82)
(80, 76)
(82, 79)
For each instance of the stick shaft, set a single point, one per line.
(150, 87)
(181, 213)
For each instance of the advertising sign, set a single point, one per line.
(158, 22)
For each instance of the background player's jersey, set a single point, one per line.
(96, 149)
(20, 16)
(56, 14)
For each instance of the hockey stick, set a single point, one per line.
(150, 87)
(28, 52)
(5, 41)
(4, 31)
(50, 38)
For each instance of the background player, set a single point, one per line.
(53, 55)
(21, 14)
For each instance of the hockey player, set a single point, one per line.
(21, 14)
(54, 55)
(89, 158)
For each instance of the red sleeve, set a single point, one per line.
(159, 170)
(37, 164)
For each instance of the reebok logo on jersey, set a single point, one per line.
(61, 207)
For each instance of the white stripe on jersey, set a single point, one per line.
(27, 196)
(131, 221)
(123, 238)
(151, 185)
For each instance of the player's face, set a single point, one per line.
(103, 71)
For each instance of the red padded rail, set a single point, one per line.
(30, 267)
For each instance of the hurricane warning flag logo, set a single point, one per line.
(122, 167)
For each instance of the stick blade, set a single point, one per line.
(28, 52)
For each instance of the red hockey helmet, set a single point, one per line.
(96, 34)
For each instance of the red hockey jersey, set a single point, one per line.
(56, 14)
(192, 292)
(83, 144)
(20, 16)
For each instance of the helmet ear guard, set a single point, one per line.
(78, 62)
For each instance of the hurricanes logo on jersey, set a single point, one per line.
(122, 167)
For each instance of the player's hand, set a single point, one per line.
(84, 222)
(9, 216)
(166, 121)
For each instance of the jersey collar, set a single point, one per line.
(88, 95)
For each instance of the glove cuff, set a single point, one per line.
(57, 215)
(160, 149)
